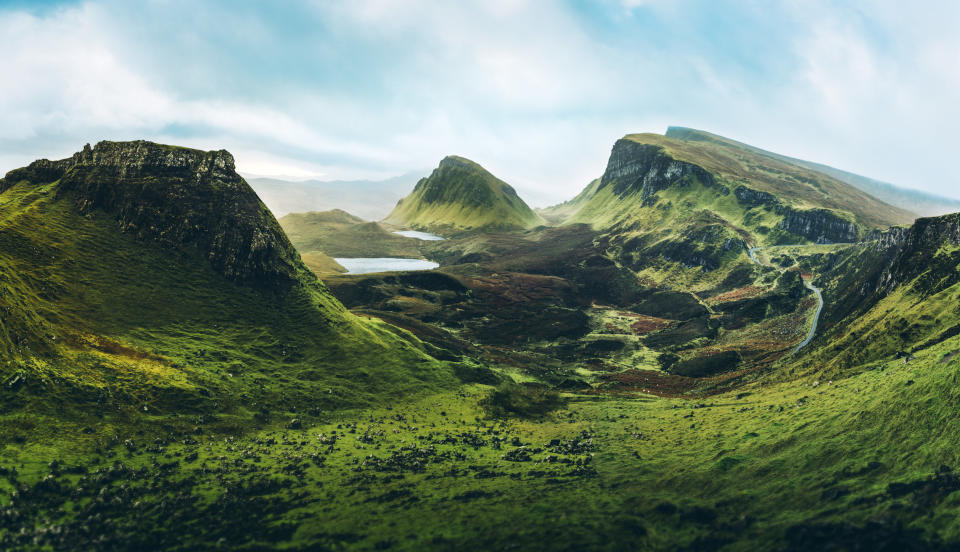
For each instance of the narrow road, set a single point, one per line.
(816, 316)
(752, 253)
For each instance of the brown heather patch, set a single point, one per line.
(736, 295)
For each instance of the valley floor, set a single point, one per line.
(863, 463)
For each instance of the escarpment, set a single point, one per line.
(646, 169)
(176, 197)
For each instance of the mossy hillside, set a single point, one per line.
(897, 311)
(798, 465)
(461, 195)
(795, 185)
(337, 233)
(107, 327)
(698, 203)
(912, 201)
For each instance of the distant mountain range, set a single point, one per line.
(367, 199)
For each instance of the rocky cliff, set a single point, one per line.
(645, 169)
(819, 225)
(176, 197)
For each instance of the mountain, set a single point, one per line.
(339, 234)
(461, 195)
(151, 279)
(369, 199)
(915, 201)
(703, 203)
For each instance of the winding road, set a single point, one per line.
(752, 252)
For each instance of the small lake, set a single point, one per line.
(363, 265)
(419, 235)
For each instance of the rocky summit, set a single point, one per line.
(176, 197)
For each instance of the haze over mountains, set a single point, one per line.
(367, 199)
(376, 199)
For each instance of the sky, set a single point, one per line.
(535, 91)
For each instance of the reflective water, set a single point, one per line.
(419, 235)
(363, 265)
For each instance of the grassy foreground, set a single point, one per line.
(860, 463)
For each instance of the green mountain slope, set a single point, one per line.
(337, 233)
(895, 296)
(142, 283)
(701, 204)
(914, 201)
(461, 195)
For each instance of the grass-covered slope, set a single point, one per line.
(462, 195)
(337, 233)
(141, 283)
(797, 185)
(894, 296)
(701, 203)
(912, 201)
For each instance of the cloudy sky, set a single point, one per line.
(537, 92)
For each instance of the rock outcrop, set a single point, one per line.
(645, 169)
(819, 225)
(176, 197)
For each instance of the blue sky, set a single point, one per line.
(535, 91)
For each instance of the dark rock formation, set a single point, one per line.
(646, 169)
(176, 197)
(751, 197)
(819, 225)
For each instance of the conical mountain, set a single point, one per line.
(152, 278)
(462, 195)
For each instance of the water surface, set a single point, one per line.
(419, 235)
(363, 265)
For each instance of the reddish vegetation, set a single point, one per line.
(649, 381)
(647, 324)
(737, 294)
(515, 287)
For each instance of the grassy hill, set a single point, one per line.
(913, 201)
(142, 283)
(462, 195)
(702, 203)
(337, 233)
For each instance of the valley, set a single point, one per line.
(711, 347)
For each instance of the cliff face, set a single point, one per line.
(819, 225)
(918, 254)
(923, 256)
(176, 197)
(646, 169)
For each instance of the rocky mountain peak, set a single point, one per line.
(177, 197)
